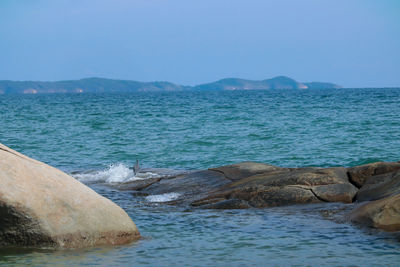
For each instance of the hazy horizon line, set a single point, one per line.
(195, 85)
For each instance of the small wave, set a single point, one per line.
(163, 197)
(116, 173)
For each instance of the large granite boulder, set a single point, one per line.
(383, 213)
(42, 206)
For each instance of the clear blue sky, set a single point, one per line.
(354, 43)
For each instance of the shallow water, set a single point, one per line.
(100, 136)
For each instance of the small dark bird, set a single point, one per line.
(136, 167)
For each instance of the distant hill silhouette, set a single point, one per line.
(101, 85)
(280, 82)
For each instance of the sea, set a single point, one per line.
(97, 138)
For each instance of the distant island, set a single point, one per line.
(102, 85)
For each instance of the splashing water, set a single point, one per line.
(163, 197)
(115, 173)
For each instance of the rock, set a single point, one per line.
(227, 204)
(383, 213)
(206, 201)
(137, 185)
(336, 192)
(380, 186)
(284, 186)
(296, 176)
(359, 174)
(279, 196)
(241, 170)
(191, 186)
(251, 184)
(42, 206)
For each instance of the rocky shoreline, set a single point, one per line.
(44, 207)
(373, 188)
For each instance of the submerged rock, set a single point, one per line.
(137, 184)
(382, 191)
(42, 206)
(383, 213)
(227, 204)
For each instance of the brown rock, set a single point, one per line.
(228, 204)
(245, 169)
(296, 176)
(383, 213)
(336, 192)
(257, 184)
(42, 206)
(207, 201)
(380, 186)
(281, 196)
(359, 174)
(283, 186)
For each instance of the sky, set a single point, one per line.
(354, 43)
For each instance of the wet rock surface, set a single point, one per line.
(359, 174)
(245, 169)
(380, 186)
(190, 186)
(379, 200)
(252, 184)
(257, 185)
(383, 213)
(288, 186)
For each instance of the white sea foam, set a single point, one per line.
(116, 173)
(163, 197)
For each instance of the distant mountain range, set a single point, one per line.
(101, 85)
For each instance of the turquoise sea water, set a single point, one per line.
(103, 134)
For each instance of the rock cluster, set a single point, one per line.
(380, 186)
(250, 184)
(42, 206)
